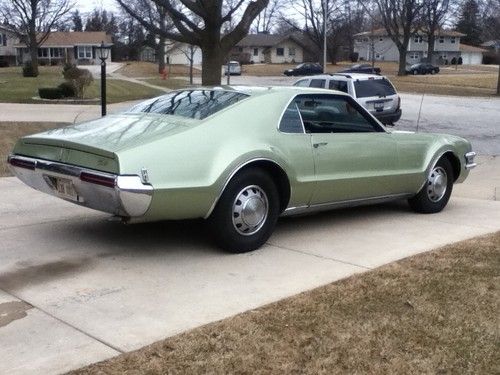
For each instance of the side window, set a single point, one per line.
(302, 83)
(318, 83)
(291, 121)
(334, 114)
(338, 85)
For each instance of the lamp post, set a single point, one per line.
(103, 54)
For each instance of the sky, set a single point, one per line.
(85, 6)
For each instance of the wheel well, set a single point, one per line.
(455, 164)
(278, 175)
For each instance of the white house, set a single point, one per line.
(180, 53)
(446, 47)
(471, 55)
(7, 50)
(268, 48)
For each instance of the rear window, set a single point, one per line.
(373, 87)
(196, 104)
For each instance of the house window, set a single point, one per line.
(240, 49)
(3, 39)
(256, 52)
(43, 52)
(56, 52)
(417, 39)
(441, 39)
(84, 52)
(414, 56)
(280, 51)
(291, 51)
(378, 56)
(452, 39)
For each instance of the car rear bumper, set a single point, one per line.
(121, 195)
(388, 118)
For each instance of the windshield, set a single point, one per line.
(299, 66)
(196, 104)
(373, 87)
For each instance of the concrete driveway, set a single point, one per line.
(76, 288)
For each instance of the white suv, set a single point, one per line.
(374, 92)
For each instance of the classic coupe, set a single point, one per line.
(240, 157)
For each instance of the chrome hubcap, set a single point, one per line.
(250, 210)
(436, 184)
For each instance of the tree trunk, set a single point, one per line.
(34, 60)
(402, 61)
(212, 58)
(430, 47)
(191, 61)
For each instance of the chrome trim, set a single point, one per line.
(129, 197)
(469, 160)
(343, 204)
(236, 170)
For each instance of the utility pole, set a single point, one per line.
(325, 16)
(372, 44)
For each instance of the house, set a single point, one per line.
(493, 45)
(177, 53)
(7, 51)
(446, 47)
(471, 55)
(269, 48)
(73, 47)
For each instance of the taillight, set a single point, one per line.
(27, 164)
(98, 179)
(399, 102)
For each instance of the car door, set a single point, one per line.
(354, 157)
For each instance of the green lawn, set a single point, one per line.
(14, 88)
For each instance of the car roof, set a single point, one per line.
(354, 76)
(262, 90)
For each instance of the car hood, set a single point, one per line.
(114, 132)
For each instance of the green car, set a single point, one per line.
(240, 157)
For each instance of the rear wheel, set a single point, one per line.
(436, 192)
(245, 216)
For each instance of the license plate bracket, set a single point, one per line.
(378, 106)
(64, 188)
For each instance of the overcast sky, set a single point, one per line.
(85, 6)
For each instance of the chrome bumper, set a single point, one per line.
(121, 195)
(469, 160)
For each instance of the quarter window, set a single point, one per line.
(317, 83)
(291, 122)
(302, 83)
(338, 85)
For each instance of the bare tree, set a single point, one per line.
(189, 51)
(399, 18)
(214, 46)
(33, 20)
(267, 19)
(433, 17)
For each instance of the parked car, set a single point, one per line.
(304, 69)
(422, 68)
(240, 157)
(234, 68)
(362, 68)
(374, 92)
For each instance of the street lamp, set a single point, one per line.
(103, 54)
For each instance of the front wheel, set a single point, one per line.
(436, 191)
(246, 214)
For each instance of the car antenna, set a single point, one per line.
(420, 111)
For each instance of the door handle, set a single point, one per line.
(316, 145)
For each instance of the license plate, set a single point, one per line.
(378, 106)
(66, 189)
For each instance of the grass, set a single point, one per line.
(14, 88)
(171, 83)
(431, 313)
(12, 131)
(142, 69)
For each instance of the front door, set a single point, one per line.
(354, 157)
